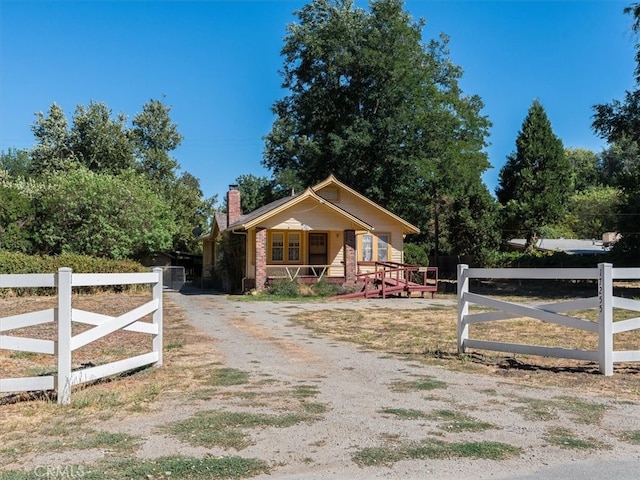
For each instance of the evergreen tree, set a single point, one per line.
(535, 183)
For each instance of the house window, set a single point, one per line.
(374, 247)
(367, 248)
(277, 247)
(294, 247)
(383, 248)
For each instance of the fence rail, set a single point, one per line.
(65, 344)
(554, 313)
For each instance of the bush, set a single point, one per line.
(416, 254)
(19, 263)
(284, 288)
(324, 289)
(537, 259)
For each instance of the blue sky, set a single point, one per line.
(216, 63)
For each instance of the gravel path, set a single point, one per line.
(355, 385)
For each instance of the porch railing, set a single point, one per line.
(292, 272)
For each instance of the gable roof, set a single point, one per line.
(332, 180)
(219, 220)
(258, 216)
(254, 218)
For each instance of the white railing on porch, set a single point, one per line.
(291, 272)
(604, 302)
(64, 281)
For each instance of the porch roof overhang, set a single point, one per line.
(262, 215)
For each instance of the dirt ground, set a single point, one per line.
(366, 411)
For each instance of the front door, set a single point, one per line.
(317, 249)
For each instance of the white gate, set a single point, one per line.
(64, 314)
(604, 302)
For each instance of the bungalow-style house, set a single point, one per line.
(329, 231)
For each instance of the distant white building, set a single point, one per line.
(567, 245)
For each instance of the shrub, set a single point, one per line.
(19, 263)
(415, 254)
(284, 288)
(324, 289)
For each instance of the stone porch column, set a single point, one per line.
(261, 258)
(350, 263)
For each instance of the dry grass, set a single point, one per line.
(430, 334)
(183, 371)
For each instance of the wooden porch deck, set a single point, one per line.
(397, 279)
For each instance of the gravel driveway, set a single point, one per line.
(359, 389)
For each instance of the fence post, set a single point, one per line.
(64, 335)
(157, 315)
(463, 306)
(605, 318)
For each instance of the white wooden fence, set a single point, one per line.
(604, 302)
(64, 314)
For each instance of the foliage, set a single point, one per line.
(535, 182)
(53, 150)
(537, 259)
(618, 122)
(416, 254)
(15, 163)
(191, 211)
(593, 211)
(12, 262)
(371, 104)
(254, 192)
(472, 224)
(101, 215)
(585, 166)
(16, 220)
(104, 144)
(228, 272)
(284, 288)
(325, 289)
(98, 141)
(154, 136)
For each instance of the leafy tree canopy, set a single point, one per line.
(372, 104)
(103, 147)
(618, 122)
(102, 215)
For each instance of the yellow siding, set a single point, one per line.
(382, 222)
(308, 215)
(336, 254)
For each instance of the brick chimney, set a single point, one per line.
(234, 209)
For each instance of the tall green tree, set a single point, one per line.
(586, 170)
(254, 192)
(535, 183)
(99, 141)
(618, 122)
(593, 211)
(191, 212)
(53, 150)
(372, 104)
(104, 144)
(154, 136)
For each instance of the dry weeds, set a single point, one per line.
(430, 335)
(182, 373)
